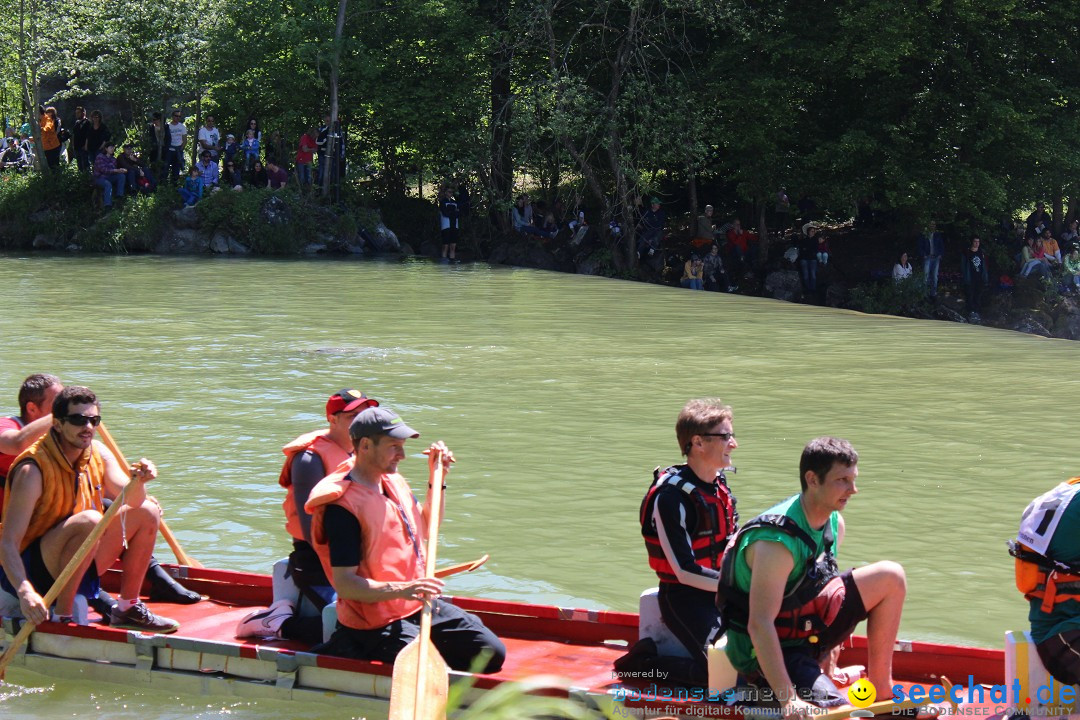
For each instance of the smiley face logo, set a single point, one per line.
(862, 693)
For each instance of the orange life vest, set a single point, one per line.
(329, 452)
(1039, 577)
(393, 533)
(65, 489)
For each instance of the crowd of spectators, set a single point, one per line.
(218, 161)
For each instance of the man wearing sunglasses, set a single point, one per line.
(17, 433)
(687, 517)
(308, 459)
(55, 497)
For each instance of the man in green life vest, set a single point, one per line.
(1047, 552)
(788, 608)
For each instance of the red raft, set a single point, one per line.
(578, 646)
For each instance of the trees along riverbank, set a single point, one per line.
(950, 112)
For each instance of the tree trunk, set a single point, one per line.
(198, 126)
(502, 169)
(763, 235)
(29, 85)
(691, 193)
(334, 165)
(1058, 209)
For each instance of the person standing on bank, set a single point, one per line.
(369, 531)
(448, 223)
(687, 517)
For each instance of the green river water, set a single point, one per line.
(558, 394)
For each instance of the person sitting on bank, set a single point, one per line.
(902, 269)
(55, 497)
(308, 459)
(687, 517)
(370, 534)
(1072, 266)
(693, 273)
(1047, 552)
(13, 157)
(786, 605)
(18, 432)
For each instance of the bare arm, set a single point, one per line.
(770, 564)
(23, 493)
(351, 586)
(13, 441)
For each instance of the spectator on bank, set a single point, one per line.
(192, 189)
(716, 279)
(522, 216)
(1072, 266)
(50, 140)
(209, 139)
(13, 157)
(1051, 248)
(276, 176)
(975, 277)
(177, 140)
(107, 176)
(305, 153)
(275, 150)
(250, 148)
(208, 170)
(741, 247)
(449, 214)
(158, 141)
(1071, 235)
(27, 147)
(650, 228)
(902, 269)
(258, 176)
(253, 127)
(824, 250)
(231, 148)
(704, 233)
(931, 248)
(1038, 219)
(97, 135)
(139, 177)
(78, 139)
(1032, 259)
(693, 273)
(808, 250)
(231, 176)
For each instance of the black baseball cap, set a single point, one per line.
(380, 421)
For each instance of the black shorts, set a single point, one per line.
(39, 576)
(1060, 654)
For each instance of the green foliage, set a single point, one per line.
(240, 216)
(887, 297)
(57, 204)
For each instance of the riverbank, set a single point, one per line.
(56, 215)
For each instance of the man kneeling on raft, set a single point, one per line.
(786, 604)
(55, 497)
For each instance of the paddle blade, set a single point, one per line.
(419, 691)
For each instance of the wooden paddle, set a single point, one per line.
(421, 679)
(182, 557)
(461, 567)
(65, 576)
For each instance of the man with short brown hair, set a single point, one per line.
(56, 496)
(687, 517)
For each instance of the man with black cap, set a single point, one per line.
(308, 459)
(369, 531)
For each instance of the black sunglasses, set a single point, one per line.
(82, 420)
(723, 436)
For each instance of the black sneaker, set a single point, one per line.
(139, 617)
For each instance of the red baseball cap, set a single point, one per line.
(347, 401)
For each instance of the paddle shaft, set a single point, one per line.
(434, 507)
(182, 557)
(65, 576)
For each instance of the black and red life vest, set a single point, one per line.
(802, 614)
(715, 520)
